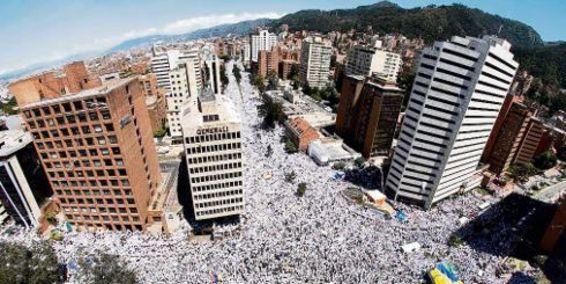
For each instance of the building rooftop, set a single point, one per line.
(12, 141)
(106, 88)
(210, 105)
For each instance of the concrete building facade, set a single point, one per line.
(262, 41)
(315, 62)
(97, 149)
(456, 97)
(367, 61)
(23, 184)
(213, 148)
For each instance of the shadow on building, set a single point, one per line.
(185, 199)
(513, 228)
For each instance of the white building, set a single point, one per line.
(213, 64)
(262, 41)
(246, 53)
(178, 73)
(456, 97)
(23, 183)
(212, 140)
(315, 62)
(367, 61)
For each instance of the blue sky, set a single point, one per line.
(44, 30)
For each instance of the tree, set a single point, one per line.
(36, 264)
(561, 153)
(223, 77)
(257, 80)
(290, 147)
(359, 162)
(271, 112)
(545, 160)
(338, 166)
(8, 107)
(272, 80)
(106, 269)
(237, 73)
(301, 189)
(293, 73)
(290, 176)
(521, 172)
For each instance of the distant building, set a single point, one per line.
(213, 65)
(96, 146)
(367, 114)
(531, 140)
(179, 75)
(458, 91)
(315, 62)
(23, 184)
(246, 53)
(286, 67)
(262, 41)
(268, 61)
(213, 148)
(300, 132)
(367, 61)
(71, 79)
(155, 102)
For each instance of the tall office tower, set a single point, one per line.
(184, 85)
(23, 184)
(163, 62)
(458, 91)
(213, 65)
(315, 62)
(262, 41)
(367, 61)
(213, 149)
(368, 120)
(97, 149)
(509, 137)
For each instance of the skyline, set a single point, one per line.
(25, 40)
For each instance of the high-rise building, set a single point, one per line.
(456, 97)
(23, 184)
(155, 102)
(179, 74)
(213, 149)
(213, 65)
(262, 41)
(315, 62)
(529, 144)
(246, 53)
(367, 114)
(268, 61)
(367, 61)
(96, 146)
(509, 138)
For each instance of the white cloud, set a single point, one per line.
(176, 27)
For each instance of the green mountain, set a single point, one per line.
(431, 22)
(546, 62)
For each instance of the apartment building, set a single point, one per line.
(367, 61)
(261, 41)
(367, 114)
(23, 184)
(315, 62)
(96, 146)
(213, 65)
(162, 62)
(456, 97)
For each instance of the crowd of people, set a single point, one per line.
(284, 238)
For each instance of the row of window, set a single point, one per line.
(78, 142)
(220, 210)
(214, 158)
(216, 186)
(212, 137)
(219, 202)
(84, 130)
(93, 210)
(214, 148)
(84, 163)
(66, 107)
(81, 153)
(217, 167)
(93, 116)
(215, 177)
(96, 183)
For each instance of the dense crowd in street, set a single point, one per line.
(283, 238)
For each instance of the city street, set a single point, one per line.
(317, 238)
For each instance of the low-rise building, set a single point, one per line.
(329, 150)
(300, 132)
